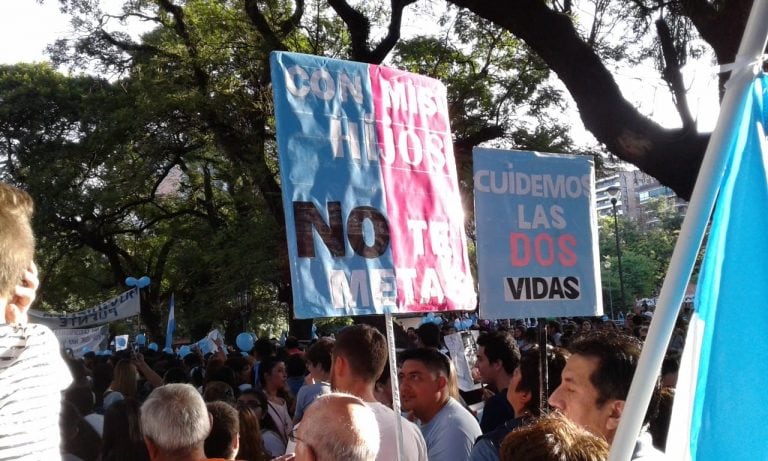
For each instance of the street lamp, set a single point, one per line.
(607, 266)
(614, 192)
(245, 304)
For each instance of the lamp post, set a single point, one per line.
(614, 192)
(245, 304)
(607, 266)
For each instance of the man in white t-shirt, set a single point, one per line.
(359, 356)
(32, 371)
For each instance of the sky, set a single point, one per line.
(27, 27)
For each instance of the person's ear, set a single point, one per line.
(442, 382)
(616, 408)
(526, 396)
(236, 444)
(151, 448)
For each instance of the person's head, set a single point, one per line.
(175, 375)
(596, 381)
(553, 438)
(125, 378)
(77, 436)
(251, 443)
(81, 396)
(219, 391)
(122, 432)
(263, 348)
(337, 426)
(222, 441)
(359, 355)
(382, 389)
(497, 358)
(523, 391)
(242, 369)
(175, 422)
(253, 399)
(17, 243)
(428, 335)
(272, 374)
(318, 357)
(424, 377)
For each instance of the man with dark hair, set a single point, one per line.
(359, 356)
(448, 428)
(595, 384)
(224, 439)
(318, 359)
(523, 396)
(428, 335)
(497, 359)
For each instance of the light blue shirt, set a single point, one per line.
(451, 434)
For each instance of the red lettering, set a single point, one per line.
(515, 240)
(566, 256)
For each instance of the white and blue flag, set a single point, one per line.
(171, 327)
(720, 407)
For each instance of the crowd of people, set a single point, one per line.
(328, 400)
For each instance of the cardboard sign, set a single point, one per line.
(373, 212)
(537, 245)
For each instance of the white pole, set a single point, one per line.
(388, 319)
(747, 65)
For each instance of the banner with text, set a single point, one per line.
(82, 340)
(373, 213)
(537, 247)
(120, 307)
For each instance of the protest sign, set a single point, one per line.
(82, 340)
(373, 213)
(120, 307)
(537, 247)
(462, 347)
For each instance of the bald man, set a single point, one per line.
(336, 426)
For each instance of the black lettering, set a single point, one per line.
(540, 287)
(380, 232)
(571, 285)
(307, 216)
(517, 285)
(555, 289)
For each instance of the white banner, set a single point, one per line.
(120, 307)
(82, 340)
(463, 349)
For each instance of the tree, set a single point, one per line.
(673, 156)
(195, 111)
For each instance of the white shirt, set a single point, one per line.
(414, 446)
(32, 376)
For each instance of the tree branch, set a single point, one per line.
(672, 74)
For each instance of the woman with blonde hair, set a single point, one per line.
(124, 383)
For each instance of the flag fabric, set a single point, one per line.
(171, 327)
(720, 405)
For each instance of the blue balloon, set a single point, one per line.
(244, 342)
(143, 282)
(431, 316)
(153, 346)
(141, 339)
(86, 349)
(168, 350)
(437, 320)
(184, 351)
(131, 281)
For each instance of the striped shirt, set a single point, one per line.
(32, 376)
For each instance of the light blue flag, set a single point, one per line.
(720, 408)
(171, 325)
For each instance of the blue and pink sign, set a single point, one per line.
(373, 213)
(537, 250)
